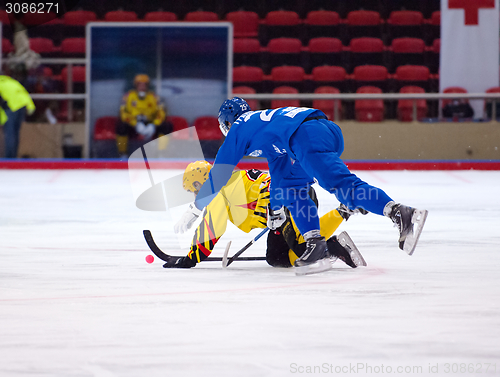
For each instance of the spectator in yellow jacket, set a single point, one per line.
(15, 102)
(141, 116)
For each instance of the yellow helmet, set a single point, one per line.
(141, 78)
(195, 172)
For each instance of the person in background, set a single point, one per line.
(15, 102)
(141, 116)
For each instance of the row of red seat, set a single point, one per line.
(207, 128)
(371, 110)
(275, 24)
(69, 47)
(328, 50)
(334, 75)
(246, 22)
(365, 111)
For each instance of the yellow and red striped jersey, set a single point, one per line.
(243, 201)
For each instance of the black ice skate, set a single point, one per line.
(315, 259)
(343, 248)
(410, 222)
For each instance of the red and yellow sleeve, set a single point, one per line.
(126, 115)
(211, 228)
(160, 113)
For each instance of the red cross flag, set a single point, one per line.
(470, 47)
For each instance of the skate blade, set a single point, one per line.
(418, 221)
(346, 241)
(314, 268)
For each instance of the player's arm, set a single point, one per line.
(212, 227)
(159, 113)
(125, 114)
(229, 154)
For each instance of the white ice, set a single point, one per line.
(78, 299)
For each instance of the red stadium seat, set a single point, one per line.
(329, 75)
(280, 23)
(73, 47)
(43, 46)
(369, 75)
(201, 16)
(405, 23)
(361, 23)
(160, 16)
(180, 127)
(453, 89)
(369, 110)
(456, 108)
(405, 106)
(322, 23)
(288, 76)
(284, 51)
(79, 17)
(433, 56)
(407, 51)
(246, 51)
(325, 50)
(285, 102)
(4, 17)
(246, 23)
(287, 73)
(248, 76)
(105, 128)
(434, 26)
(78, 74)
(240, 91)
(207, 128)
(367, 51)
(75, 21)
(415, 75)
(6, 46)
(38, 19)
(120, 16)
(328, 105)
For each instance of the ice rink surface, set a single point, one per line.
(78, 299)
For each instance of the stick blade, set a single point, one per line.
(224, 258)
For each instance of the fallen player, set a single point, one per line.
(244, 201)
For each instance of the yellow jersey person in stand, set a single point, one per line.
(245, 202)
(142, 116)
(15, 102)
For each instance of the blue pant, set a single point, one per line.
(318, 144)
(11, 130)
(290, 187)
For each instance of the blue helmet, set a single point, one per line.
(229, 111)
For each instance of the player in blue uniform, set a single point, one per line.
(301, 145)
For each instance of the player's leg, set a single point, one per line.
(290, 187)
(318, 146)
(278, 251)
(161, 133)
(122, 133)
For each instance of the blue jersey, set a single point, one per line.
(263, 133)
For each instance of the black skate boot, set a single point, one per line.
(406, 219)
(315, 258)
(343, 248)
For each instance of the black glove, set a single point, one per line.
(179, 262)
